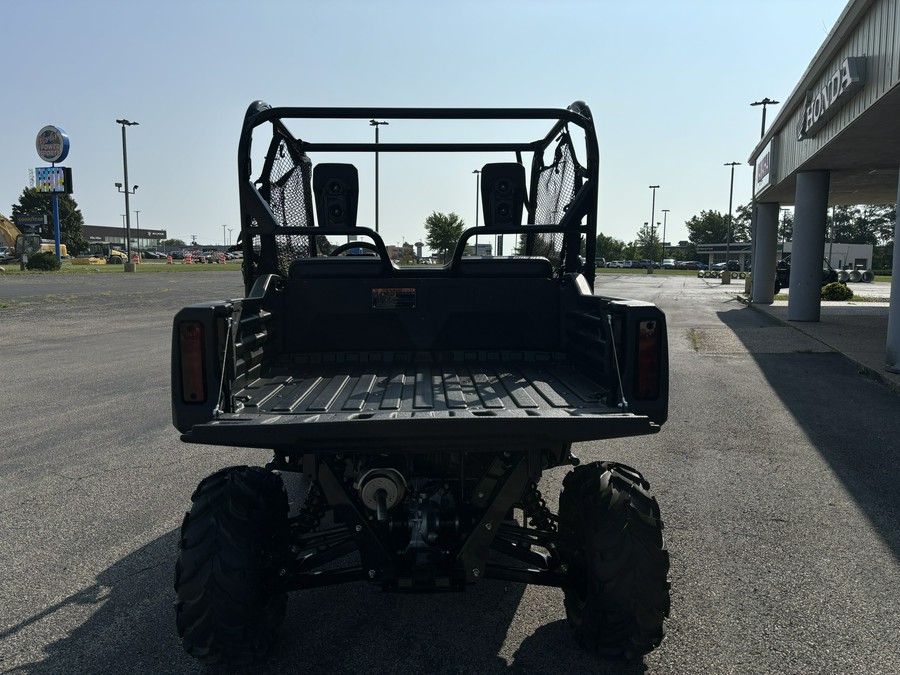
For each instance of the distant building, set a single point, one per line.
(844, 256)
(140, 238)
(838, 254)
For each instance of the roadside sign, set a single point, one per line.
(52, 144)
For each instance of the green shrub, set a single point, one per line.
(836, 291)
(44, 261)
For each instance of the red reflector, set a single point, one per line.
(193, 387)
(646, 380)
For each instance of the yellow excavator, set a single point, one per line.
(18, 244)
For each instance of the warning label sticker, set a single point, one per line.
(393, 298)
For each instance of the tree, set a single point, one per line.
(610, 248)
(740, 229)
(406, 254)
(786, 226)
(862, 224)
(71, 222)
(647, 244)
(443, 232)
(173, 243)
(709, 227)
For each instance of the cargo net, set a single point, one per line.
(286, 185)
(287, 181)
(556, 187)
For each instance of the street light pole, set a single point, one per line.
(477, 173)
(766, 101)
(726, 273)
(652, 220)
(762, 132)
(137, 227)
(665, 213)
(129, 267)
(376, 124)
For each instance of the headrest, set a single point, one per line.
(336, 187)
(503, 193)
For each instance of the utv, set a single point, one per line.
(783, 273)
(419, 404)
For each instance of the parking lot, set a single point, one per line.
(777, 476)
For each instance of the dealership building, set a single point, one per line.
(834, 141)
(140, 238)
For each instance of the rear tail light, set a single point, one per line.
(647, 376)
(193, 383)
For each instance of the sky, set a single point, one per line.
(669, 83)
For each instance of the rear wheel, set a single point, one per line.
(229, 606)
(614, 545)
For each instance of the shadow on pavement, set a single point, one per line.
(344, 629)
(850, 419)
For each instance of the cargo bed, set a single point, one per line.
(444, 398)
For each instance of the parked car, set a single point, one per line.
(691, 265)
(668, 263)
(615, 263)
(733, 266)
(646, 264)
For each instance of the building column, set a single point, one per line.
(892, 356)
(765, 250)
(810, 216)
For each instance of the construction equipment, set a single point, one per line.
(19, 243)
(101, 253)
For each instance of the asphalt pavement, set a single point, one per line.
(855, 328)
(777, 475)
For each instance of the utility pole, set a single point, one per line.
(665, 213)
(129, 266)
(726, 273)
(652, 219)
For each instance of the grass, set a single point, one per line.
(855, 298)
(694, 337)
(145, 267)
(639, 270)
(690, 273)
